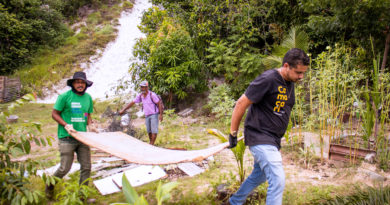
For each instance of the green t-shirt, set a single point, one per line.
(74, 110)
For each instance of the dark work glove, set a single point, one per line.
(232, 141)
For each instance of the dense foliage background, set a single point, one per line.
(233, 39)
(232, 42)
(29, 25)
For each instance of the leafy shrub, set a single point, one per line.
(26, 26)
(169, 62)
(127, 5)
(73, 193)
(16, 141)
(221, 102)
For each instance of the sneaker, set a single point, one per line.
(49, 190)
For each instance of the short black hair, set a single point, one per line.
(296, 56)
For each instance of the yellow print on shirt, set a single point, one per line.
(281, 98)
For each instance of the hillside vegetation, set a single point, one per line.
(43, 41)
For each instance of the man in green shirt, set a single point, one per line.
(72, 111)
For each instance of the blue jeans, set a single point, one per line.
(151, 122)
(267, 166)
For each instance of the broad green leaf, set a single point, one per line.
(3, 148)
(165, 190)
(129, 192)
(36, 197)
(218, 134)
(10, 193)
(49, 140)
(15, 151)
(37, 125)
(141, 201)
(36, 141)
(23, 201)
(30, 197)
(43, 142)
(27, 146)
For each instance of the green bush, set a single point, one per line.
(14, 142)
(25, 27)
(169, 62)
(127, 5)
(221, 103)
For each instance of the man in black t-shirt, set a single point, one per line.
(270, 98)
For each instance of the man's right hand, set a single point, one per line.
(232, 141)
(69, 128)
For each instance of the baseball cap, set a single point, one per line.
(144, 83)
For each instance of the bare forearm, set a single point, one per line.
(56, 115)
(160, 108)
(239, 110)
(89, 119)
(126, 107)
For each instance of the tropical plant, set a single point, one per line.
(132, 197)
(238, 151)
(296, 38)
(73, 193)
(14, 142)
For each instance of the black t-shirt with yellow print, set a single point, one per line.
(268, 116)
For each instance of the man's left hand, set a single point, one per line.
(161, 118)
(92, 128)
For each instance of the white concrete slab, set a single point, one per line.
(107, 185)
(190, 168)
(51, 170)
(140, 175)
(106, 173)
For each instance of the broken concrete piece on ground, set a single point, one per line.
(106, 185)
(106, 173)
(12, 119)
(50, 171)
(185, 112)
(141, 175)
(137, 176)
(190, 169)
